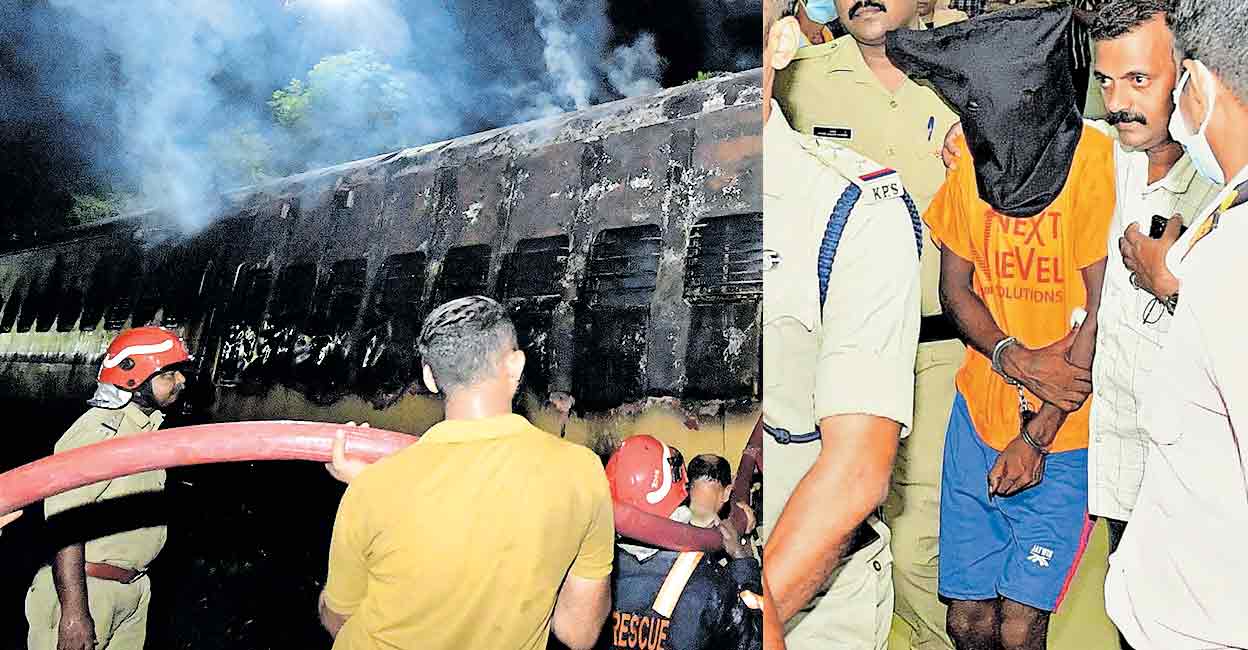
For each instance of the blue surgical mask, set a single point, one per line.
(1196, 144)
(821, 11)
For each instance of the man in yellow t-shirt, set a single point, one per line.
(1022, 235)
(486, 533)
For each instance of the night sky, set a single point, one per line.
(63, 130)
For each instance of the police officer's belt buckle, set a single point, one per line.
(785, 437)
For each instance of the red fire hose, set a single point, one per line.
(266, 440)
(751, 459)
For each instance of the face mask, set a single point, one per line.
(820, 11)
(1196, 144)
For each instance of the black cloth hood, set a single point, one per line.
(1007, 74)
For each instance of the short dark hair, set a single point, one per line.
(1212, 31)
(463, 338)
(1117, 18)
(712, 467)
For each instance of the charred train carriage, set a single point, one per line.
(625, 239)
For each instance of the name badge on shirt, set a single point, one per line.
(834, 132)
(880, 186)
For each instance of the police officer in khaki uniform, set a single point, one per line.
(935, 13)
(847, 92)
(840, 328)
(96, 593)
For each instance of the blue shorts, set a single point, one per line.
(1024, 547)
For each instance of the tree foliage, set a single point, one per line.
(350, 106)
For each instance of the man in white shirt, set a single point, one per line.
(1136, 71)
(1177, 581)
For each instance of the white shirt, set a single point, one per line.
(1125, 344)
(1180, 577)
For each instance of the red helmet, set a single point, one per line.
(646, 473)
(137, 354)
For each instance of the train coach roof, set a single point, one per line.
(690, 100)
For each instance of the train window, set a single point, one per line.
(30, 306)
(344, 199)
(121, 303)
(70, 307)
(251, 295)
(100, 291)
(724, 261)
(152, 296)
(50, 301)
(535, 268)
(623, 267)
(190, 291)
(399, 287)
(11, 308)
(530, 282)
(611, 337)
(293, 298)
(340, 296)
(723, 284)
(465, 270)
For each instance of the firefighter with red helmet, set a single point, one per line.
(668, 600)
(96, 592)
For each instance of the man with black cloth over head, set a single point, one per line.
(1022, 235)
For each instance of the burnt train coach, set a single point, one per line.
(625, 239)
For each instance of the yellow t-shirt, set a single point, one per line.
(463, 539)
(1027, 271)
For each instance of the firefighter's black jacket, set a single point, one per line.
(709, 614)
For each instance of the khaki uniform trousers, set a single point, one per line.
(912, 509)
(854, 609)
(118, 610)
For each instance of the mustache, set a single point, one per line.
(1123, 117)
(865, 4)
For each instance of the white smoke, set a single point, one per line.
(574, 36)
(636, 68)
(569, 51)
(178, 90)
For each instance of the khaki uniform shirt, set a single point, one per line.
(940, 18)
(829, 92)
(129, 549)
(855, 354)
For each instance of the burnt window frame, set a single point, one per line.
(533, 250)
(724, 288)
(184, 293)
(596, 274)
(50, 302)
(31, 302)
(329, 316)
(13, 306)
(252, 281)
(614, 302)
(282, 312)
(741, 269)
(101, 287)
(394, 298)
(447, 287)
(72, 294)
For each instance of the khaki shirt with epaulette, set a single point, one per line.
(854, 354)
(129, 549)
(828, 91)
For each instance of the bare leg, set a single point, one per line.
(973, 624)
(1023, 627)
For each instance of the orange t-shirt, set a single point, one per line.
(1027, 271)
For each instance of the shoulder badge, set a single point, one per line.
(880, 185)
